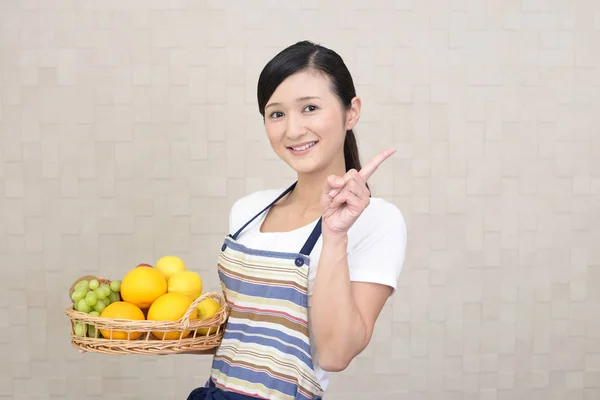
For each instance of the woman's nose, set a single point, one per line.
(295, 127)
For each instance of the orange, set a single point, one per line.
(141, 286)
(122, 310)
(170, 307)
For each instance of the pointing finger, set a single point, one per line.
(375, 162)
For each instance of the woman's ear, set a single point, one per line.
(353, 113)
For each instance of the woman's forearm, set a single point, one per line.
(339, 331)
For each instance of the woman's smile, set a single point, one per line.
(302, 148)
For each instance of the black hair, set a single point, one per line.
(306, 55)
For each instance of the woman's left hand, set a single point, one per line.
(344, 198)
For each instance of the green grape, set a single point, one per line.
(78, 295)
(92, 331)
(114, 297)
(80, 329)
(91, 298)
(83, 306)
(100, 293)
(82, 285)
(106, 287)
(106, 301)
(94, 313)
(115, 286)
(94, 284)
(100, 306)
(106, 291)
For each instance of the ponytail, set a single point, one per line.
(351, 156)
(351, 152)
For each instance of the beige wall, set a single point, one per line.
(128, 128)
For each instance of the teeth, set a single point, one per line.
(306, 146)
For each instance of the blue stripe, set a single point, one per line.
(264, 291)
(253, 330)
(232, 244)
(266, 342)
(263, 378)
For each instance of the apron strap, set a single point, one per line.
(312, 239)
(235, 235)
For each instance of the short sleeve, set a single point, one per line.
(378, 254)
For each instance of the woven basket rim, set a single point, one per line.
(149, 347)
(183, 323)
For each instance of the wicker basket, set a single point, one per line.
(94, 341)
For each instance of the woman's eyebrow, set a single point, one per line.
(297, 100)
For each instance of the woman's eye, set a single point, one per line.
(310, 108)
(276, 114)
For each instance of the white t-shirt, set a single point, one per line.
(376, 245)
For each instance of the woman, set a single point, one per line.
(307, 269)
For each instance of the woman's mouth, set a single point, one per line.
(303, 148)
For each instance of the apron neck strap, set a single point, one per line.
(235, 235)
(312, 239)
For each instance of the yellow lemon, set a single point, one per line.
(170, 307)
(207, 309)
(124, 310)
(141, 286)
(168, 265)
(188, 283)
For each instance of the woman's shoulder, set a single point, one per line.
(382, 210)
(258, 198)
(382, 217)
(247, 206)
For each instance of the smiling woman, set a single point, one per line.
(306, 269)
(307, 89)
(308, 132)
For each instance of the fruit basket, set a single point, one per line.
(93, 332)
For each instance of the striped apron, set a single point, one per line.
(266, 351)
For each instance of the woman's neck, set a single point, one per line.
(307, 193)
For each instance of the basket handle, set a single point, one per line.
(185, 319)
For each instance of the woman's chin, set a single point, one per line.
(304, 167)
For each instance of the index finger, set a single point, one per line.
(375, 162)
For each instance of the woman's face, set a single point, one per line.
(306, 123)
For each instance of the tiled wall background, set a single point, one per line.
(128, 128)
